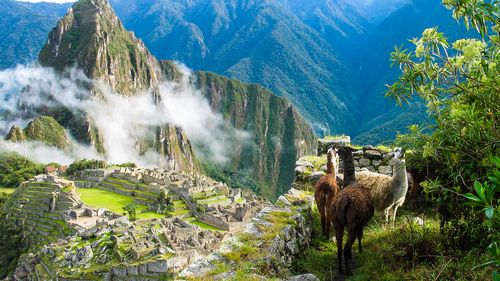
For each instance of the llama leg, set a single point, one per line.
(339, 233)
(327, 223)
(386, 214)
(360, 235)
(348, 251)
(321, 210)
(394, 215)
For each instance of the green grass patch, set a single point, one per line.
(317, 161)
(407, 252)
(99, 198)
(7, 190)
(205, 226)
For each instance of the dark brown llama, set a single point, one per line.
(351, 209)
(325, 190)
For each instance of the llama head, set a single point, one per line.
(344, 151)
(399, 153)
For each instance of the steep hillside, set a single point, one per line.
(258, 42)
(279, 134)
(44, 129)
(24, 28)
(376, 70)
(93, 38)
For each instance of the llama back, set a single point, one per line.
(379, 186)
(353, 204)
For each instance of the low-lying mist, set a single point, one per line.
(121, 120)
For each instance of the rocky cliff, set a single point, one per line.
(44, 129)
(92, 38)
(279, 134)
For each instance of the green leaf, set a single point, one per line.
(489, 212)
(479, 190)
(472, 197)
(496, 276)
(495, 160)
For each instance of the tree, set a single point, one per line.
(461, 87)
(131, 210)
(460, 84)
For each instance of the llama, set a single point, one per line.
(325, 189)
(388, 193)
(351, 209)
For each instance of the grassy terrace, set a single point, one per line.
(7, 190)
(112, 201)
(119, 184)
(205, 226)
(213, 200)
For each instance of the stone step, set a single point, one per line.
(44, 227)
(64, 206)
(42, 232)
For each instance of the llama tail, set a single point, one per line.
(342, 208)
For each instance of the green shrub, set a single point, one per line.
(14, 169)
(86, 164)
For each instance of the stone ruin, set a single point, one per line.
(367, 157)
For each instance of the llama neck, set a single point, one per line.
(349, 175)
(330, 166)
(400, 176)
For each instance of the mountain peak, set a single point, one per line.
(92, 37)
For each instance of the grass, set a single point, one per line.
(317, 161)
(205, 226)
(7, 190)
(407, 252)
(99, 198)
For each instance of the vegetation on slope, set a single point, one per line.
(24, 27)
(407, 252)
(43, 129)
(459, 82)
(278, 134)
(14, 169)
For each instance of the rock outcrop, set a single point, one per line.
(44, 129)
(279, 134)
(92, 38)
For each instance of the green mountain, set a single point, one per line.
(23, 29)
(45, 129)
(91, 37)
(253, 41)
(382, 118)
(280, 135)
(329, 57)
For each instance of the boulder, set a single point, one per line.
(304, 163)
(303, 277)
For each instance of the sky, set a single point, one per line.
(52, 1)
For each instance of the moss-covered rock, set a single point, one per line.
(44, 129)
(16, 134)
(47, 130)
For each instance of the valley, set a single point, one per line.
(249, 140)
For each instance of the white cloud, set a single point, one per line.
(122, 121)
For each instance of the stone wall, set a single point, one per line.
(370, 158)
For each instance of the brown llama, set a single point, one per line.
(325, 190)
(351, 209)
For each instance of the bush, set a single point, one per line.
(14, 169)
(86, 164)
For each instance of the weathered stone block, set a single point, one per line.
(363, 162)
(158, 266)
(373, 154)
